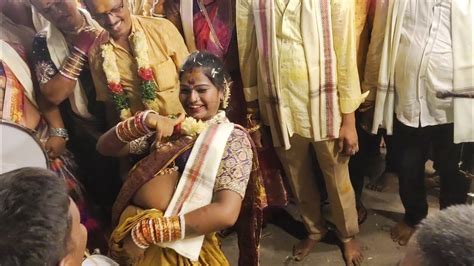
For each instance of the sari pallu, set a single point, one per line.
(250, 218)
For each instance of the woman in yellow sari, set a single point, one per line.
(200, 175)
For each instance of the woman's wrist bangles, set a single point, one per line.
(158, 230)
(72, 66)
(133, 128)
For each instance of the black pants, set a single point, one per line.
(369, 148)
(411, 146)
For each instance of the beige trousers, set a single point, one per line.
(300, 171)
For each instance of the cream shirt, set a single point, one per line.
(293, 70)
(424, 64)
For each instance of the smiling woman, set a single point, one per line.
(204, 88)
(191, 184)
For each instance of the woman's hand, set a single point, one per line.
(55, 146)
(163, 125)
(348, 140)
(84, 39)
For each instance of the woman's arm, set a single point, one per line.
(109, 144)
(222, 213)
(56, 143)
(60, 86)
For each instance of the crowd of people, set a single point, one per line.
(166, 122)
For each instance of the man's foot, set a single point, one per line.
(303, 248)
(401, 233)
(353, 253)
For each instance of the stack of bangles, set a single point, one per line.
(71, 68)
(133, 128)
(158, 230)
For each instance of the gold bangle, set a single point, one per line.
(77, 67)
(76, 59)
(79, 56)
(70, 71)
(151, 225)
(66, 75)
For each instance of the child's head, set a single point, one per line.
(204, 85)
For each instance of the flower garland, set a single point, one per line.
(190, 127)
(193, 127)
(145, 73)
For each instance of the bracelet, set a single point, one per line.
(64, 74)
(59, 132)
(119, 135)
(157, 230)
(136, 240)
(79, 51)
(144, 115)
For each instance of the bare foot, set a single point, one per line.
(303, 248)
(353, 253)
(401, 233)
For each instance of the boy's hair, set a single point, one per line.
(34, 218)
(446, 238)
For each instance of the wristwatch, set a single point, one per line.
(59, 132)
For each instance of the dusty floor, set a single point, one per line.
(385, 209)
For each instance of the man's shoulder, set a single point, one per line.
(152, 23)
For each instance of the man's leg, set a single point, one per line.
(410, 148)
(358, 167)
(447, 155)
(298, 167)
(334, 167)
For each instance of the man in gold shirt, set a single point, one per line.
(135, 66)
(299, 69)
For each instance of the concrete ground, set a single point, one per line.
(384, 208)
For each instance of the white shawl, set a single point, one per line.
(59, 50)
(462, 37)
(195, 187)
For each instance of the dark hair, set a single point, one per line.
(34, 217)
(445, 238)
(211, 66)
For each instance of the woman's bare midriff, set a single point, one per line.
(157, 192)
